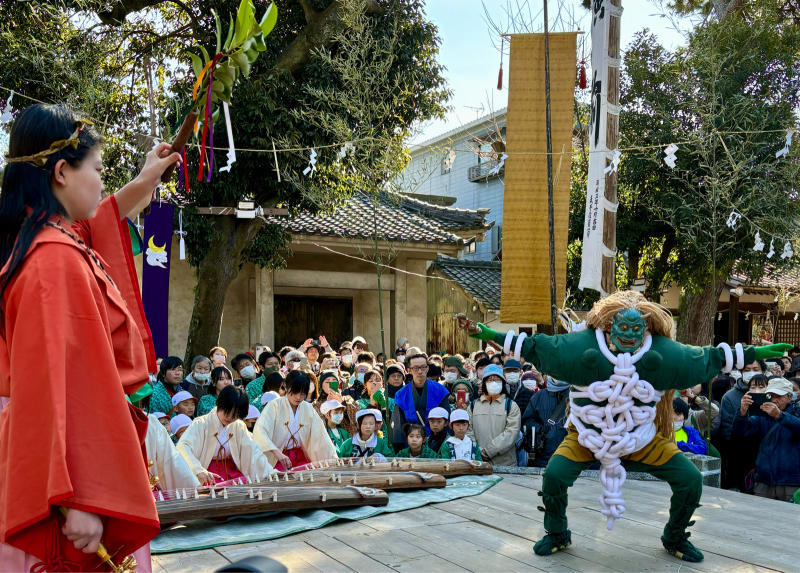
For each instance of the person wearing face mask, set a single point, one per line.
(329, 389)
(543, 421)
(248, 371)
(355, 388)
(453, 370)
(518, 391)
(196, 383)
(218, 447)
(686, 437)
(495, 419)
(346, 359)
(333, 412)
(738, 456)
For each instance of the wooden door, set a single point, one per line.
(300, 317)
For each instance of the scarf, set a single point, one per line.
(556, 385)
(362, 449)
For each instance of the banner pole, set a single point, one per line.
(550, 216)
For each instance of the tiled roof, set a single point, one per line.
(788, 278)
(481, 279)
(399, 218)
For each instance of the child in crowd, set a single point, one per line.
(289, 431)
(374, 397)
(218, 446)
(333, 411)
(220, 378)
(687, 438)
(465, 388)
(163, 460)
(459, 446)
(437, 420)
(273, 388)
(417, 448)
(329, 389)
(178, 425)
(183, 403)
(219, 356)
(252, 416)
(366, 443)
(163, 419)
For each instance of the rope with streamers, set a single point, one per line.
(624, 427)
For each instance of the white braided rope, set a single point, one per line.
(624, 427)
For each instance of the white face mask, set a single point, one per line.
(677, 425)
(512, 377)
(736, 374)
(248, 372)
(347, 359)
(529, 384)
(747, 376)
(494, 388)
(202, 376)
(401, 358)
(450, 376)
(337, 418)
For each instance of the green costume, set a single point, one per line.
(254, 390)
(629, 374)
(426, 453)
(338, 436)
(348, 450)
(206, 404)
(448, 451)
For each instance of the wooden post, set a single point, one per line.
(550, 215)
(612, 141)
(733, 319)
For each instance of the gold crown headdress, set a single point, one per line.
(40, 158)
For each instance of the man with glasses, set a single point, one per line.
(414, 401)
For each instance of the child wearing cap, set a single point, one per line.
(163, 460)
(333, 412)
(163, 419)
(460, 446)
(437, 420)
(178, 425)
(252, 416)
(184, 403)
(417, 448)
(366, 443)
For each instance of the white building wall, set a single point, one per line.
(424, 176)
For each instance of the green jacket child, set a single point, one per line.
(366, 443)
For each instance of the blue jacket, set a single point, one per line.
(541, 407)
(778, 461)
(695, 443)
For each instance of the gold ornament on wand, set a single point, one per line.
(128, 564)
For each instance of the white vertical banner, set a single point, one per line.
(593, 247)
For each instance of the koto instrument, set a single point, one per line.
(343, 476)
(205, 503)
(449, 468)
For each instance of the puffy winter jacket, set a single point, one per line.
(778, 461)
(495, 428)
(729, 407)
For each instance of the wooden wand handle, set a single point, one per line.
(180, 140)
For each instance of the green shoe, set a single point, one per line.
(553, 542)
(683, 549)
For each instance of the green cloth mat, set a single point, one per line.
(204, 533)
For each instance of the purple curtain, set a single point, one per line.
(155, 272)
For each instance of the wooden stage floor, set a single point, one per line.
(495, 531)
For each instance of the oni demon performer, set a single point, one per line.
(623, 367)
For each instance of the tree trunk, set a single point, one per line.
(697, 313)
(218, 268)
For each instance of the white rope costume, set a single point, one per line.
(624, 427)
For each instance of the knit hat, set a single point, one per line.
(294, 355)
(181, 396)
(252, 413)
(329, 405)
(438, 413)
(395, 368)
(178, 422)
(493, 370)
(457, 362)
(459, 415)
(325, 374)
(463, 382)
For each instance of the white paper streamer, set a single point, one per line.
(669, 155)
(785, 150)
(771, 249)
(231, 148)
(496, 169)
(345, 150)
(312, 164)
(614, 167)
(733, 219)
(181, 233)
(451, 157)
(7, 116)
(759, 246)
(787, 253)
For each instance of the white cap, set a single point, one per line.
(178, 422)
(329, 405)
(369, 411)
(159, 415)
(438, 413)
(458, 415)
(268, 397)
(181, 396)
(357, 339)
(252, 412)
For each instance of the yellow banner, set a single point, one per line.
(525, 286)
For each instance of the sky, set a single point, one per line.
(470, 47)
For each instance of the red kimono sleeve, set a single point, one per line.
(67, 437)
(108, 235)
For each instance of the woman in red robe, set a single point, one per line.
(73, 342)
